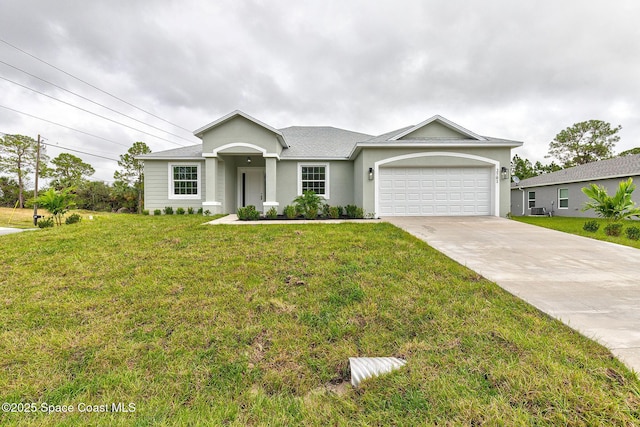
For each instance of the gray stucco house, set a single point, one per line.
(561, 192)
(434, 168)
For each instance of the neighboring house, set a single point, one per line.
(434, 168)
(561, 192)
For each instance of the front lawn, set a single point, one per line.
(253, 325)
(574, 226)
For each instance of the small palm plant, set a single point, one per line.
(309, 204)
(56, 202)
(613, 208)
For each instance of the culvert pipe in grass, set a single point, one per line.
(367, 367)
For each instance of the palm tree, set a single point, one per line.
(56, 202)
(613, 208)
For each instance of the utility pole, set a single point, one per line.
(35, 191)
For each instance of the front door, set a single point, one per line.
(251, 187)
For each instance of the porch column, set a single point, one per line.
(270, 190)
(210, 201)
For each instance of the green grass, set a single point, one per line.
(574, 226)
(253, 325)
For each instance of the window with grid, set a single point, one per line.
(185, 180)
(314, 179)
(532, 199)
(563, 198)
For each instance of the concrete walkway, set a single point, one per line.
(232, 219)
(590, 285)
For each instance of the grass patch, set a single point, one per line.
(574, 226)
(253, 325)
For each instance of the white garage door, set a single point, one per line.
(434, 191)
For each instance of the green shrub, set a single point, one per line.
(325, 210)
(46, 222)
(200, 211)
(632, 232)
(157, 212)
(168, 210)
(272, 213)
(145, 212)
(613, 229)
(334, 212)
(207, 212)
(72, 219)
(290, 212)
(248, 213)
(190, 210)
(308, 204)
(311, 213)
(180, 211)
(591, 226)
(351, 210)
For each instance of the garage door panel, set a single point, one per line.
(435, 191)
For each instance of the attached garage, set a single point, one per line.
(434, 191)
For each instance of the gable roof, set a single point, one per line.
(439, 119)
(617, 167)
(327, 142)
(237, 113)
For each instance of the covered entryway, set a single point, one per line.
(434, 191)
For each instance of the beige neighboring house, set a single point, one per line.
(434, 168)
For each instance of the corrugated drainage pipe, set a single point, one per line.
(367, 367)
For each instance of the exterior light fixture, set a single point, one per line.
(248, 159)
(370, 174)
(504, 172)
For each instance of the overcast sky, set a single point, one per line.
(508, 69)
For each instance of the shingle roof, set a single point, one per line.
(182, 152)
(320, 142)
(611, 168)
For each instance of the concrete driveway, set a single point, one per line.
(592, 286)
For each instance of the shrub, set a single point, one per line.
(632, 232)
(334, 212)
(591, 226)
(145, 212)
(615, 208)
(207, 212)
(354, 212)
(248, 213)
(180, 211)
(290, 212)
(168, 210)
(46, 223)
(613, 229)
(308, 204)
(190, 210)
(200, 211)
(272, 213)
(157, 212)
(311, 213)
(73, 218)
(325, 210)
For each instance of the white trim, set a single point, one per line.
(529, 199)
(239, 144)
(574, 181)
(327, 181)
(239, 172)
(171, 195)
(447, 123)
(564, 198)
(496, 167)
(433, 143)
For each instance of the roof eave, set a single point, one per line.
(573, 181)
(201, 131)
(446, 122)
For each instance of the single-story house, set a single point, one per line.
(433, 168)
(560, 192)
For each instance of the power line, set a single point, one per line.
(90, 112)
(93, 86)
(78, 151)
(61, 125)
(93, 102)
